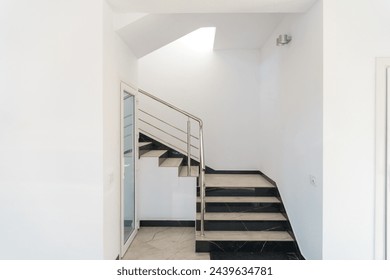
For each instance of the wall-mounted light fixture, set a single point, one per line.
(283, 40)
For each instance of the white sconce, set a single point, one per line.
(283, 40)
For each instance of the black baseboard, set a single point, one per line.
(267, 178)
(166, 223)
(212, 171)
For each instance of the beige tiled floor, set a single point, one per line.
(164, 243)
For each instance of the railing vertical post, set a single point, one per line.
(202, 169)
(188, 147)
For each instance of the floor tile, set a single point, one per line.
(164, 243)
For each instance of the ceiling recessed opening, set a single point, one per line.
(200, 40)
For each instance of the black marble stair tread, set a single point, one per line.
(236, 181)
(242, 216)
(255, 256)
(240, 199)
(244, 236)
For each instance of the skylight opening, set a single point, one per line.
(200, 40)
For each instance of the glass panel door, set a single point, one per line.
(128, 228)
(387, 190)
(128, 149)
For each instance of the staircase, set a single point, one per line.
(244, 217)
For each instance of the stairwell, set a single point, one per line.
(241, 215)
(244, 217)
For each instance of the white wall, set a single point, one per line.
(290, 123)
(355, 33)
(221, 87)
(119, 65)
(51, 152)
(165, 195)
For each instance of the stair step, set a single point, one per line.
(256, 255)
(239, 225)
(237, 181)
(237, 216)
(244, 192)
(244, 236)
(240, 207)
(142, 144)
(194, 171)
(240, 199)
(171, 162)
(154, 153)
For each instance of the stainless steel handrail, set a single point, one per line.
(165, 143)
(201, 152)
(167, 123)
(171, 106)
(173, 136)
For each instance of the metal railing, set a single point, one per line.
(202, 166)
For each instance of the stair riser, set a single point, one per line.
(243, 225)
(246, 246)
(255, 256)
(162, 158)
(239, 191)
(142, 150)
(240, 207)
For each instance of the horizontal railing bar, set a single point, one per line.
(167, 123)
(171, 106)
(168, 133)
(165, 143)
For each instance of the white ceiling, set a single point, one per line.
(233, 31)
(243, 31)
(211, 6)
(147, 25)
